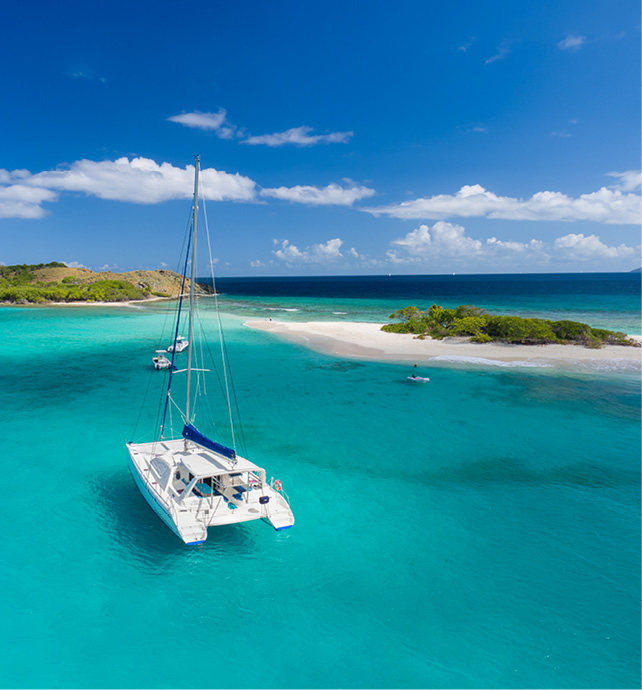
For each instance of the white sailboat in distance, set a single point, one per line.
(193, 482)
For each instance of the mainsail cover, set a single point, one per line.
(191, 433)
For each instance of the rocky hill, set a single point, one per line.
(56, 282)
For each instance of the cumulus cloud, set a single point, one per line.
(256, 264)
(449, 241)
(611, 206)
(140, 180)
(332, 195)
(208, 122)
(74, 264)
(579, 247)
(21, 200)
(317, 253)
(443, 238)
(571, 43)
(298, 136)
(143, 181)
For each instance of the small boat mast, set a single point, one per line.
(197, 165)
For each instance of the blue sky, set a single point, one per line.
(336, 137)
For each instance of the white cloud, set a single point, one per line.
(141, 181)
(448, 241)
(443, 239)
(501, 53)
(329, 251)
(579, 247)
(317, 253)
(571, 43)
(74, 264)
(288, 252)
(464, 48)
(113, 267)
(332, 195)
(604, 206)
(299, 136)
(22, 201)
(629, 181)
(394, 258)
(256, 264)
(208, 122)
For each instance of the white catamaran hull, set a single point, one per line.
(238, 492)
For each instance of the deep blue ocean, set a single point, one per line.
(604, 300)
(481, 531)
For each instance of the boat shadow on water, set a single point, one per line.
(135, 531)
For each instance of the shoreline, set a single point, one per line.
(124, 303)
(366, 341)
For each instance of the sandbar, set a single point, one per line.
(366, 341)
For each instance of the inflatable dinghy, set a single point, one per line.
(418, 379)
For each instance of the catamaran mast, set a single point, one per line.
(191, 286)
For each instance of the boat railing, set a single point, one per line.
(285, 496)
(279, 491)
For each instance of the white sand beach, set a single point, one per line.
(367, 341)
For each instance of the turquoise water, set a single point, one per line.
(479, 531)
(603, 300)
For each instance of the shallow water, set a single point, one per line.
(479, 531)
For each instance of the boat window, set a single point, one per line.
(161, 468)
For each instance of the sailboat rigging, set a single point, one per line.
(194, 482)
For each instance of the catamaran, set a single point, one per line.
(194, 482)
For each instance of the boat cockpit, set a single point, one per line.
(232, 487)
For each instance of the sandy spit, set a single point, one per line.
(367, 341)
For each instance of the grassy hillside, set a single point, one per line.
(56, 282)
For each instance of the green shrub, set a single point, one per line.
(481, 327)
(481, 338)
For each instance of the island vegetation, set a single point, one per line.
(482, 327)
(57, 282)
